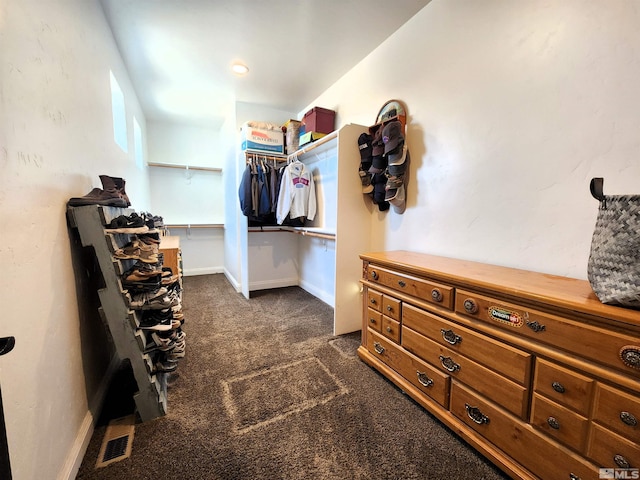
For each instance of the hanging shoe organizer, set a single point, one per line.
(122, 322)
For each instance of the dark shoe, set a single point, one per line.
(120, 184)
(131, 224)
(98, 197)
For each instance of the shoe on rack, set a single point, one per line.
(158, 320)
(137, 283)
(118, 183)
(152, 300)
(157, 342)
(150, 238)
(127, 224)
(164, 366)
(99, 197)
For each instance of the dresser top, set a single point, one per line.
(551, 290)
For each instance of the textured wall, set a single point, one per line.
(513, 108)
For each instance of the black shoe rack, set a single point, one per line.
(122, 322)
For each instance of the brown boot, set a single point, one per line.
(120, 183)
(99, 197)
(115, 184)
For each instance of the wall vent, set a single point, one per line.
(117, 442)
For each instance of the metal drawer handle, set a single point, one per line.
(374, 274)
(470, 305)
(628, 418)
(558, 387)
(476, 415)
(401, 283)
(389, 308)
(389, 329)
(449, 364)
(553, 423)
(424, 380)
(378, 348)
(621, 461)
(373, 301)
(436, 294)
(450, 337)
(372, 320)
(630, 356)
(573, 476)
(536, 327)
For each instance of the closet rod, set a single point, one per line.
(184, 167)
(317, 143)
(196, 225)
(298, 230)
(307, 233)
(264, 156)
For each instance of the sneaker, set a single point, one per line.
(156, 342)
(164, 366)
(152, 300)
(158, 320)
(127, 224)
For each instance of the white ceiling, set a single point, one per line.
(178, 53)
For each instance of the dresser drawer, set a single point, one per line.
(374, 299)
(589, 341)
(391, 307)
(564, 386)
(610, 450)
(500, 389)
(427, 379)
(507, 360)
(618, 411)
(548, 459)
(425, 290)
(559, 422)
(374, 319)
(390, 328)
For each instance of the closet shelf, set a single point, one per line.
(184, 167)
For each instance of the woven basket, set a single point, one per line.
(614, 261)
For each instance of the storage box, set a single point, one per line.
(310, 137)
(319, 120)
(292, 135)
(262, 139)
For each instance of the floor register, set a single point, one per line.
(528, 368)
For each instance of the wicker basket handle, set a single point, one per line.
(596, 188)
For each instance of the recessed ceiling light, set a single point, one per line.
(239, 68)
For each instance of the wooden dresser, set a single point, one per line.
(530, 369)
(170, 248)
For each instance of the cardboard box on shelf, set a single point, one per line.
(262, 139)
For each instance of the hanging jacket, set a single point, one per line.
(264, 202)
(297, 196)
(244, 192)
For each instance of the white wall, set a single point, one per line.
(189, 196)
(56, 138)
(513, 108)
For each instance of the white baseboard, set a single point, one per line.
(76, 454)
(326, 297)
(278, 283)
(190, 272)
(232, 280)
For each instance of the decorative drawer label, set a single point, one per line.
(504, 315)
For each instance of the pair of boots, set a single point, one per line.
(112, 194)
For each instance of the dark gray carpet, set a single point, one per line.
(266, 392)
